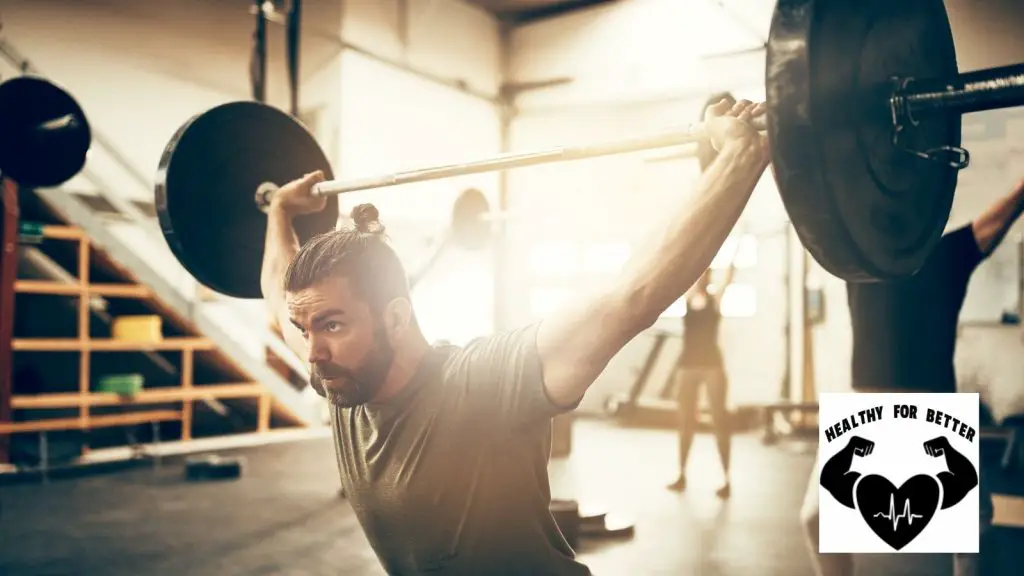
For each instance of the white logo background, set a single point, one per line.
(898, 455)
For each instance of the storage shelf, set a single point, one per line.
(108, 344)
(61, 289)
(184, 394)
(56, 232)
(153, 396)
(104, 421)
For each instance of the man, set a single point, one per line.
(904, 339)
(443, 451)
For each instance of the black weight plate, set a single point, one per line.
(470, 229)
(206, 186)
(44, 134)
(863, 208)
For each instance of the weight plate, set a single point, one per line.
(865, 209)
(470, 228)
(44, 134)
(206, 186)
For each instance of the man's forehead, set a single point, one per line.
(330, 291)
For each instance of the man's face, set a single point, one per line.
(349, 351)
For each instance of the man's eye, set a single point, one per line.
(332, 326)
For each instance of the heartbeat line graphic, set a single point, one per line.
(896, 517)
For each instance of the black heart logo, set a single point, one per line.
(897, 515)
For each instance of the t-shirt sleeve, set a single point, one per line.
(503, 376)
(959, 253)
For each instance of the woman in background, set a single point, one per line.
(701, 363)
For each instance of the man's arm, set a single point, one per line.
(280, 247)
(576, 346)
(991, 227)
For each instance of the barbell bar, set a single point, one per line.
(864, 101)
(974, 92)
(691, 134)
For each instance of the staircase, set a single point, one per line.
(119, 236)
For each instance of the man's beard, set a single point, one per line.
(359, 385)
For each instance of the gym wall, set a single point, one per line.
(634, 72)
(140, 69)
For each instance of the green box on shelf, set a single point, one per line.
(122, 384)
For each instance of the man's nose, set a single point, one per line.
(318, 351)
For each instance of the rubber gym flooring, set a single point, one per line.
(284, 517)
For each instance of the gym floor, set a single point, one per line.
(284, 517)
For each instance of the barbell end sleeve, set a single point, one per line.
(59, 123)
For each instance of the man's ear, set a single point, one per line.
(397, 318)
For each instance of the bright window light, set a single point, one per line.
(545, 301)
(676, 310)
(739, 301)
(456, 305)
(554, 260)
(740, 249)
(606, 258)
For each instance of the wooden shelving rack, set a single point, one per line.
(186, 393)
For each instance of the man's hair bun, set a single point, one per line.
(367, 219)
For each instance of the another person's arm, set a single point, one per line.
(718, 289)
(991, 227)
(280, 247)
(961, 250)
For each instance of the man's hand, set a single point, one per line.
(296, 197)
(936, 446)
(724, 123)
(861, 446)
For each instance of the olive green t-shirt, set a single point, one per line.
(450, 476)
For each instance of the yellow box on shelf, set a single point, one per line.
(148, 328)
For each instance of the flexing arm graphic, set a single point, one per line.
(836, 476)
(961, 477)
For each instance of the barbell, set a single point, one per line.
(44, 134)
(864, 102)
